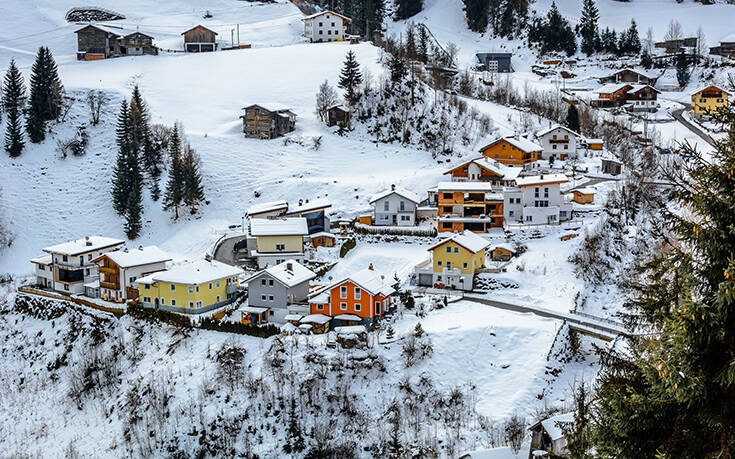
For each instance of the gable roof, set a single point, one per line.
(288, 277)
(628, 69)
(312, 16)
(504, 246)
(273, 107)
(466, 239)
(553, 425)
(541, 179)
(136, 257)
(196, 272)
(543, 132)
(294, 226)
(400, 191)
(521, 143)
(464, 186)
(612, 88)
(702, 88)
(85, 245)
(372, 281)
(199, 26)
(265, 207)
(496, 167)
(308, 206)
(639, 87)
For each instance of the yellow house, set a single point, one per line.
(194, 288)
(709, 99)
(277, 240)
(455, 261)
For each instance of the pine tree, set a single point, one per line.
(476, 12)
(193, 191)
(397, 69)
(422, 46)
(682, 69)
(577, 433)
(572, 121)
(121, 184)
(350, 78)
(672, 394)
(13, 100)
(53, 89)
(588, 26)
(410, 51)
(390, 333)
(507, 19)
(134, 213)
(418, 330)
(407, 8)
(35, 115)
(142, 142)
(174, 194)
(633, 39)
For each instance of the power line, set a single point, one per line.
(38, 33)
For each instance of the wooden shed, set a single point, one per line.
(323, 240)
(199, 39)
(267, 121)
(584, 195)
(502, 252)
(338, 116)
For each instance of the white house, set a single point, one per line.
(537, 201)
(395, 207)
(325, 26)
(69, 268)
(120, 269)
(559, 141)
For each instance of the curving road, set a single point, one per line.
(677, 114)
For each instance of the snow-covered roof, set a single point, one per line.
(505, 246)
(294, 226)
(312, 16)
(42, 260)
(294, 317)
(271, 107)
(253, 309)
(702, 88)
(93, 284)
(464, 186)
(323, 234)
(348, 317)
(351, 329)
(315, 319)
(584, 190)
(289, 273)
(400, 191)
(197, 27)
(730, 38)
(628, 69)
(523, 144)
(85, 245)
(320, 298)
(196, 272)
(504, 171)
(611, 88)
(307, 206)
(592, 140)
(638, 87)
(118, 31)
(543, 132)
(370, 280)
(541, 179)
(553, 425)
(264, 207)
(466, 239)
(136, 257)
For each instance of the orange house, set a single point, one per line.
(472, 206)
(358, 299)
(484, 169)
(512, 150)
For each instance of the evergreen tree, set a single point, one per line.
(174, 194)
(193, 191)
(410, 50)
(633, 38)
(422, 46)
(350, 78)
(143, 143)
(397, 69)
(134, 213)
(407, 8)
(682, 69)
(418, 330)
(646, 60)
(13, 100)
(588, 26)
(390, 333)
(572, 121)
(476, 12)
(672, 393)
(53, 89)
(506, 27)
(578, 433)
(36, 112)
(121, 183)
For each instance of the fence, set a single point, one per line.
(395, 230)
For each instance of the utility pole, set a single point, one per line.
(232, 37)
(238, 34)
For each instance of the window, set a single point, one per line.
(86, 272)
(553, 137)
(270, 297)
(218, 298)
(280, 247)
(333, 24)
(510, 213)
(405, 218)
(199, 304)
(402, 206)
(343, 291)
(321, 24)
(446, 225)
(563, 213)
(173, 287)
(529, 218)
(449, 265)
(386, 206)
(377, 307)
(358, 306)
(464, 265)
(447, 196)
(566, 146)
(146, 299)
(546, 192)
(191, 289)
(329, 32)
(358, 293)
(449, 249)
(262, 282)
(456, 250)
(566, 137)
(163, 301)
(173, 302)
(41, 267)
(66, 287)
(270, 282)
(439, 263)
(89, 257)
(262, 297)
(319, 307)
(147, 286)
(218, 284)
(197, 288)
(343, 306)
(321, 32)
(536, 192)
(191, 304)
(65, 258)
(553, 147)
(210, 286)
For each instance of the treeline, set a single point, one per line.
(140, 161)
(503, 18)
(44, 103)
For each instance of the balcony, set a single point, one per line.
(231, 288)
(108, 270)
(109, 285)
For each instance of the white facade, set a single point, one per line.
(394, 210)
(44, 271)
(325, 26)
(539, 203)
(558, 141)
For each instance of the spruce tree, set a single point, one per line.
(588, 26)
(143, 143)
(53, 89)
(672, 393)
(572, 121)
(13, 100)
(174, 194)
(121, 184)
(36, 112)
(422, 45)
(350, 78)
(397, 69)
(682, 69)
(134, 213)
(476, 12)
(193, 191)
(407, 8)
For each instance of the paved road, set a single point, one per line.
(592, 181)
(677, 114)
(225, 250)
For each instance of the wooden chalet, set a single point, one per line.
(267, 121)
(484, 169)
(338, 116)
(512, 150)
(502, 252)
(642, 98)
(676, 46)
(95, 42)
(611, 167)
(629, 76)
(583, 195)
(611, 95)
(199, 39)
(726, 47)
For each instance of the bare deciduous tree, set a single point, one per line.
(674, 32)
(95, 101)
(326, 97)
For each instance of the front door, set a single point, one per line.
(395, 219)
(156, 302)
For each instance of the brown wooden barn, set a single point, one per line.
(267, 121)
(502, 252)
(338, 116)
(96, 42)
(200, 39)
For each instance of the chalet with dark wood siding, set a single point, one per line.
(267, 121)
(200, 39)
(611, 95)
(96, 42)
(642, 98)
(338, 116)
(629, 76)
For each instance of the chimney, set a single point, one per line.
(542, 176)
(140, 247)
(289, 266)
(371, 267)
(125, 250)
(87, 241)
(301, 202)
(208, 257)
(393, 187)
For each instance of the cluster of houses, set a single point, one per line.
(105, 40)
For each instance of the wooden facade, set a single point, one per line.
(476, 211)
(501, 254)
(200, 39)
(260, 122)
(338, 116)
(584, 196)
(102, 42)
(507, 152)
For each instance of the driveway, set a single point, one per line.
(677, 114)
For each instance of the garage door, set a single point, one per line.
(426, 279)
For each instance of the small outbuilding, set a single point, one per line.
(502, 252)
(611, 167)
(267, 121)
(338, 116)
(548, 434)
(495, 62)
(199, 39)
(584, 195)
(323, 239)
